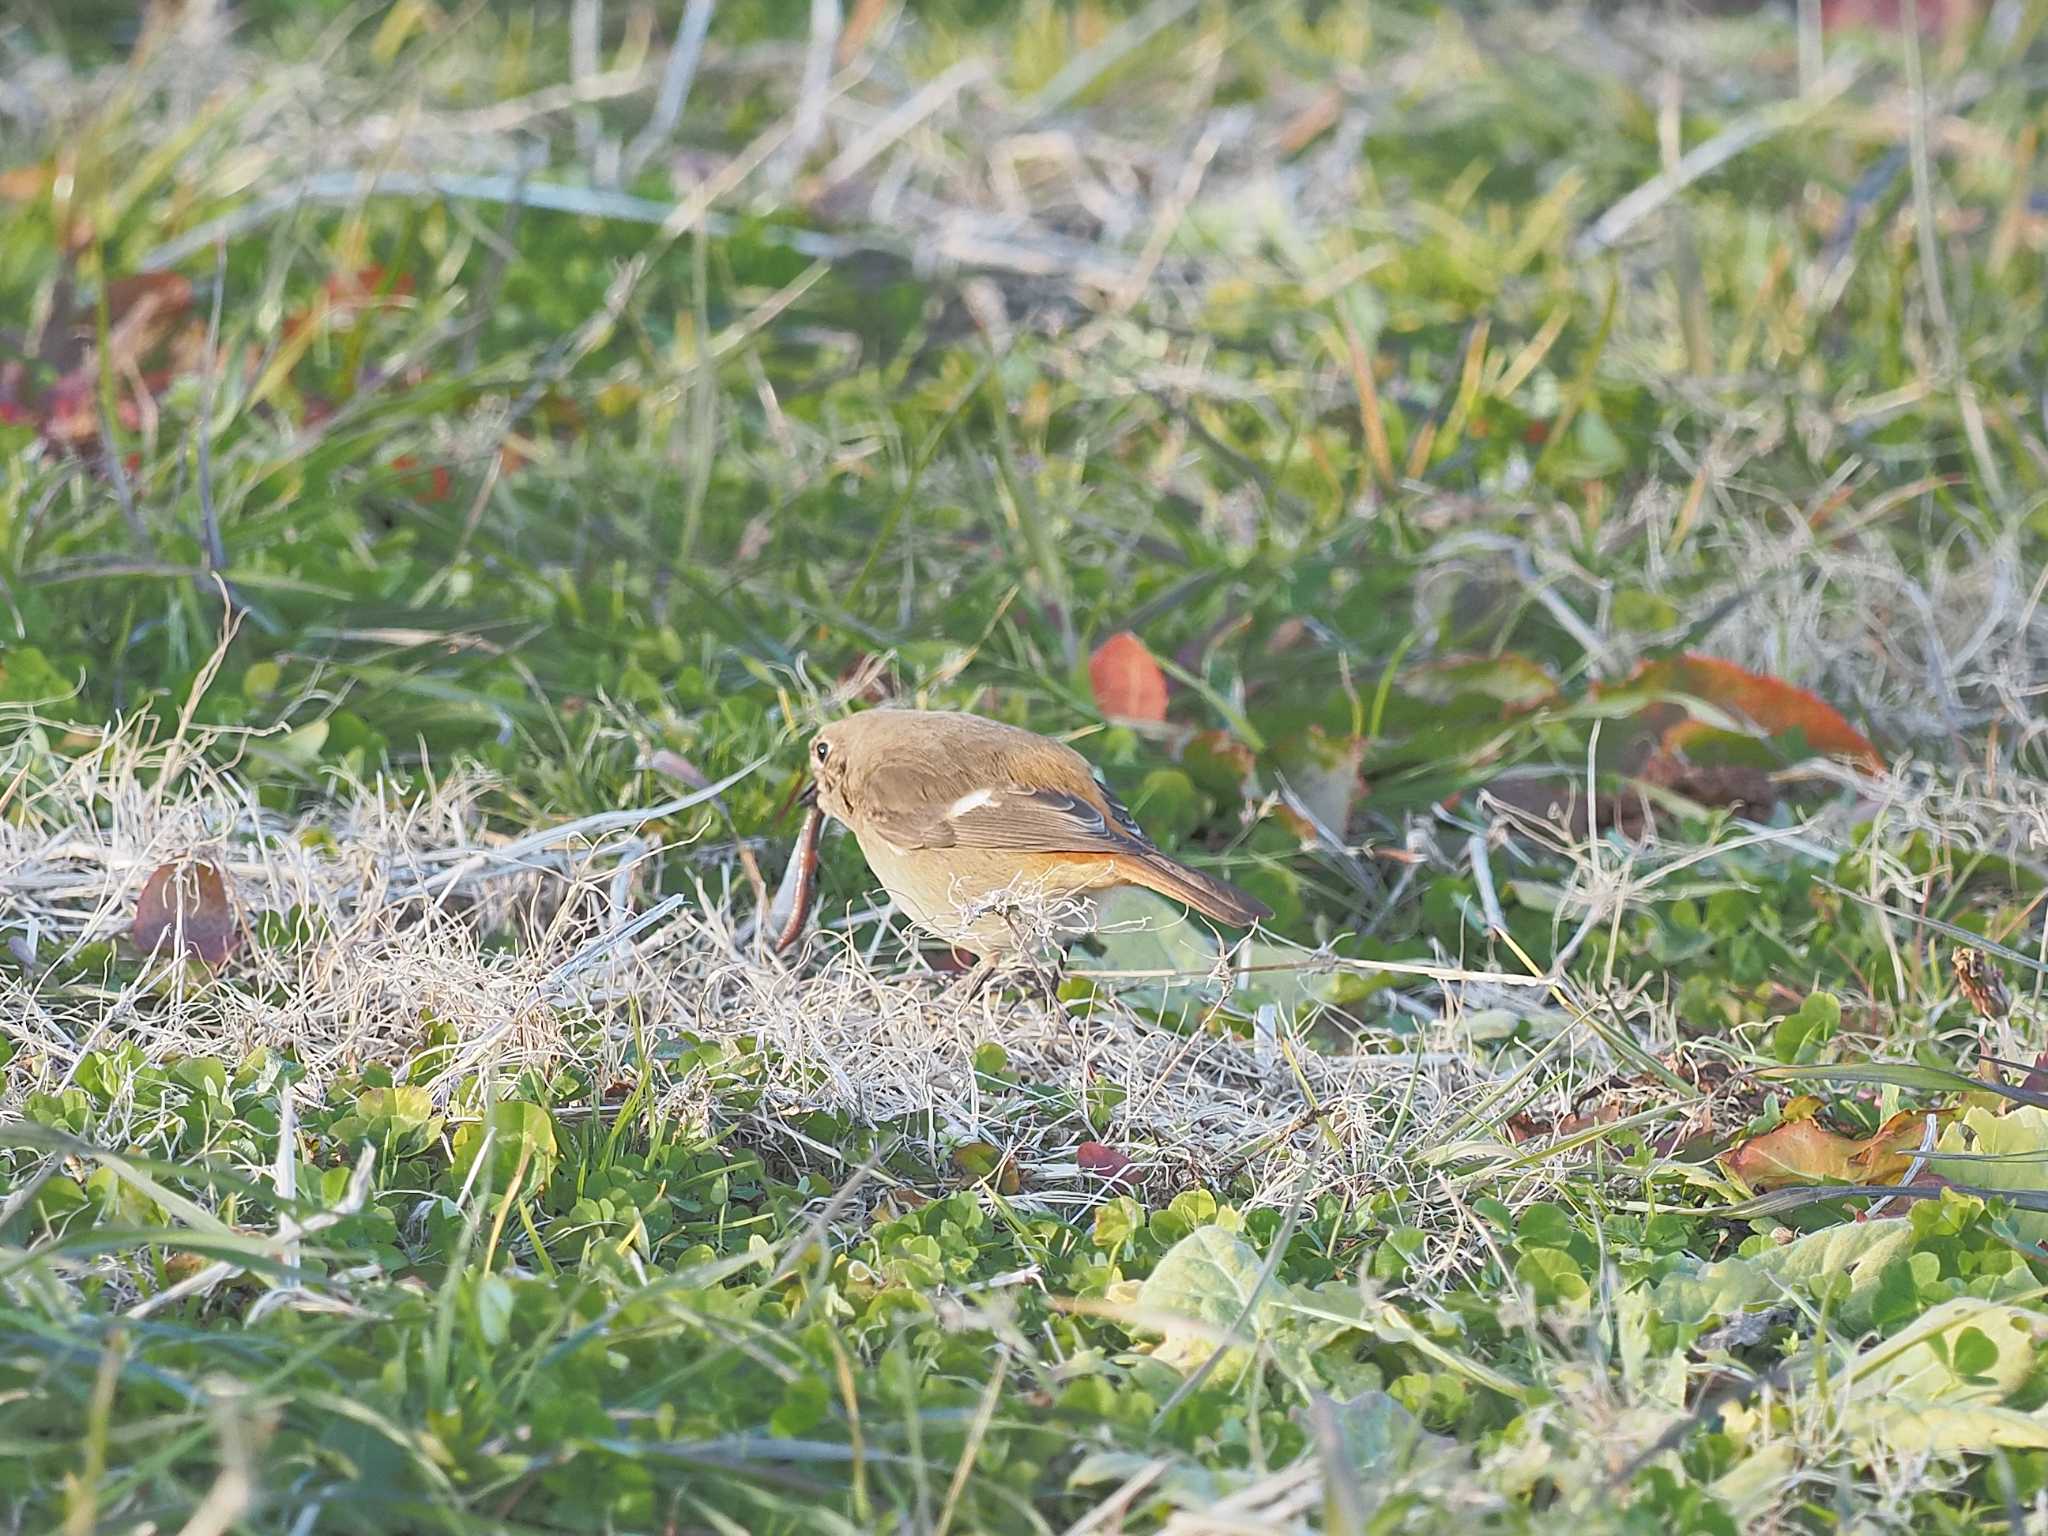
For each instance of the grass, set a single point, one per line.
(1580, 473)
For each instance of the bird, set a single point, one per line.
(971, 825)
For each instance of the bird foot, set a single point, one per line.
(1040, 982)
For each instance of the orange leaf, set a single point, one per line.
(1806, 1152)
(25, 183)
(188, 904)
(432, 485)
(1770, 703)
(1128, 683)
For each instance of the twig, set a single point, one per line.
(1482, 876)
(808, 125)
(1930, 260)
(901, 119)
(506, 116)
(676, 79)
(1085, 69)
(209, 513)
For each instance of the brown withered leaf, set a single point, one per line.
(188, 902)
(151, 339)
(25, 183)
(1803, 1151)
(1980, 983)
(986, 1162)
(1732, 786)
(1739, 787)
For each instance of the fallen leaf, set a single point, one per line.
(1320, 783)
(1286, 635)
(1731, 786)
(434, 484)
(151, 339)
(189, 903)
(1980, 983)
(142, 310)
(1101, 1159)
(1517, 683)
(1772, 705)
(1803, 1151)
(1311, 122)
(987, 1163)
(1128, 683)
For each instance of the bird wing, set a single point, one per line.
(1011, 818)
(1017, 820)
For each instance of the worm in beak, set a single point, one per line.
(806, 858)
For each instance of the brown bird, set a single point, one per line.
(965, 820)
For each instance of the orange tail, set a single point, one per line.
(1205, 893)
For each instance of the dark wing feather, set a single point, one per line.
(1016, 820)
(1053, 821)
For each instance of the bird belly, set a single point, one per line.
(989, 901)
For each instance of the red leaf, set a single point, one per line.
(429, 485)
(1775, 706)
(1128, 683)
(1100, 1158)
(147, 319)
(188, 902)
(366, 286)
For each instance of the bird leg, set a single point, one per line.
(1038, 981)
(974, 981)
(1044, 979)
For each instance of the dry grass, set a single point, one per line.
(536, 953)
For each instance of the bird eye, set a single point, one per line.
(824, 750)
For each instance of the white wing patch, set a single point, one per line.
(973, 800)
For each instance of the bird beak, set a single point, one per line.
(804, 794)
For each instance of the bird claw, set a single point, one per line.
(1040, 982)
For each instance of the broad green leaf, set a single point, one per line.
(1996, 1340)
(1857, 1251)
(519, 1136)
(2005, 1154)
(1210, 1280)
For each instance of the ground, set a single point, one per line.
(1547, 498)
